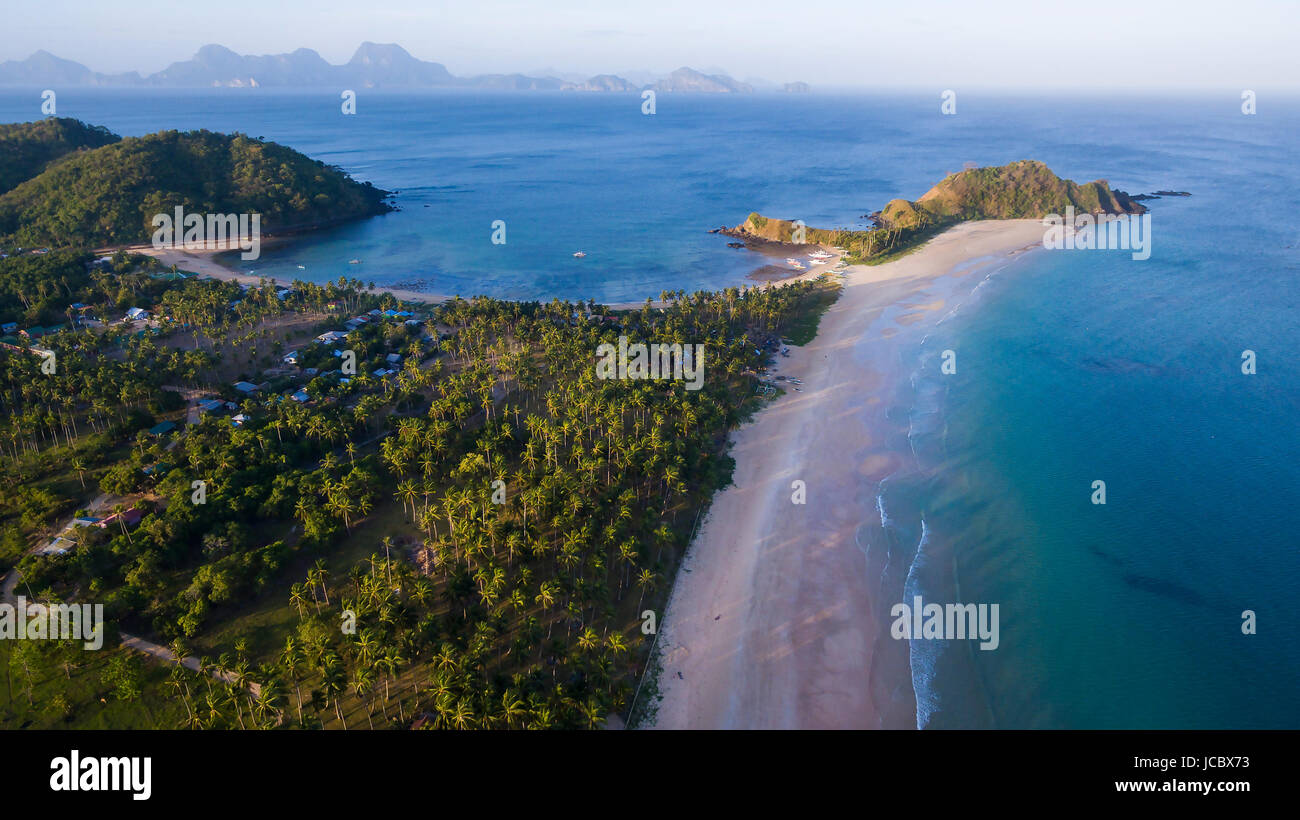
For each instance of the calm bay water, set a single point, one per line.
(1073, 366)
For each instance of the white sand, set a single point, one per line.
(769, 625)
(203, 261)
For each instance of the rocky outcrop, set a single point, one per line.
(1020, 190)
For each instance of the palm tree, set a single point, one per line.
(363, 683)
(387, 541)
(267, 705)
(593, 713)
(291, 660)
(646, 580)
(333, 684)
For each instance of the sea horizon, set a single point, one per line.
(1075, 366)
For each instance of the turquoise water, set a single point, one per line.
(1073, 366)
(1084, 366)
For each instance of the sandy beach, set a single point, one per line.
(786, 273)
(769, 624)
(203, 261)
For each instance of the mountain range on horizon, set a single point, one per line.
(373, 65)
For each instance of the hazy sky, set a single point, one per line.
(1101, 44)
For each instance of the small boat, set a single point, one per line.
(821, 255)
(580, 254)
(302, 267)
(354, 261)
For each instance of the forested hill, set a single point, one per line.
(109, 195)
(28, 148)
(1020, 190)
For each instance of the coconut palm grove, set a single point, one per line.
(320, 507)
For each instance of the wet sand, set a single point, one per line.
(770, 624)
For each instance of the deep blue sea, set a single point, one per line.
(1074, 367)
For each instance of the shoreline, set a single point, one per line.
(771, 623)
(205, 262)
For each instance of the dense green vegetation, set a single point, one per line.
(1021, 190)
(28, 148)
(476, 604)
(109, 195)
(469, 529)
(36, 289)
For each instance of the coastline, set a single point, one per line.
(203, 261)
(771, 623)
(771, 249)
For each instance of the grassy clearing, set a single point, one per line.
(81, 699)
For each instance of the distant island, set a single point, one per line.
(373, 65)
(69, 184)
(1020, 190)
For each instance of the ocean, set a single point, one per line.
(1073, 366)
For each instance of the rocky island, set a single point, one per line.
(1026, 189)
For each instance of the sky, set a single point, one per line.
(1031, 44)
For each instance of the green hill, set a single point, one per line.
(28, 148)
(109, 195)
(1021, 190)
